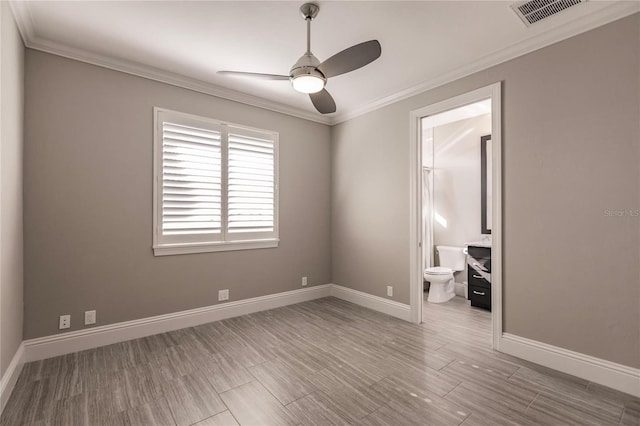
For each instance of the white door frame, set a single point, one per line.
(493, 92)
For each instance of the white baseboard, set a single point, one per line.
(60, 344)
(616, 376)
(64, 343)
(607, 373)
(10, 376)
(380, 304)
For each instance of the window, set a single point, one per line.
(215, 186)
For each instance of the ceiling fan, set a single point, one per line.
(309, 75)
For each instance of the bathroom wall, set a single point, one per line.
(457, 180)
(11, 135)
(571, 164)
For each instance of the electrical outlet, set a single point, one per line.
(65, 322)
(89, 317)
(223, 295)
(304, 281)
(389, 291)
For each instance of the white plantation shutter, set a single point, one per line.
(191, 181)
(215, 186)
(251, 185)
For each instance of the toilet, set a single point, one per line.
(442, 286)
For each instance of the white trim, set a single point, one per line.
(601, 17)
(416, 287)
(64, 343)
(616, 376)
(380, 304)
(24, 20)
(171, 249)
(496, 216)
(145, 71)
(492, 92)
(173, 245)
(31, 40)
(60, 344)
(607, 373)
(10, 376)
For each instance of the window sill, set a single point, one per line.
(174, 249)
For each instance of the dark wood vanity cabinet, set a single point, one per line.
(479, 276)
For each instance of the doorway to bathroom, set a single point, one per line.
(456, 199)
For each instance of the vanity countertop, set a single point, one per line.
(480, 244)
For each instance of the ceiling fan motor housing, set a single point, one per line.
(307, 65)
(305, 76)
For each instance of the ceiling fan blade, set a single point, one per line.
(351, 59)
(254, 75)
(323, 102)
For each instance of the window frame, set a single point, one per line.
(162, 247)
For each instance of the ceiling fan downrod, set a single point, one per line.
(309, 11)
(305, 76)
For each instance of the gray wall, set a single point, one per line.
(11, 110)
(88, 201)
(571, 142)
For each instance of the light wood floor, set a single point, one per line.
(322, 362)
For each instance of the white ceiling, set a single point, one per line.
(424, 43)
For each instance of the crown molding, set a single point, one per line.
(604, 16)
(25, 24)
(31, 40)
(23, 18)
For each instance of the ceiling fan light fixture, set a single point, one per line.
(308, 83)
(308, 75)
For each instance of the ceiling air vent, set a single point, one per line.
(536, 10)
